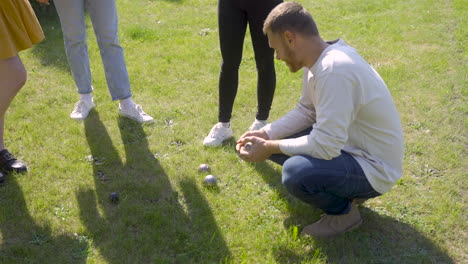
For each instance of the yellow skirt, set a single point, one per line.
(19, 28)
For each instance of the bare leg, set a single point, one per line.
(12, 78)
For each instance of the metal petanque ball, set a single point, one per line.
(210, 180)
(204, 168)
(248, 146)
(114, 197)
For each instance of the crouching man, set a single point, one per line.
(343, 143)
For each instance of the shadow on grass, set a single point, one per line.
(24, 241)
(149, 223)
(50, 51)
(298, 209)
(380, 239)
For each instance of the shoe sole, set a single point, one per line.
(5, 171)
(216, 145)
(141, 122)
(84, 117)
(349, 229)
(81, 118)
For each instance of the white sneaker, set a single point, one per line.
(217, 135)
(82, 109)
(257, 125)
(136, 113)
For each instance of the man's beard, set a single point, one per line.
(291, 60)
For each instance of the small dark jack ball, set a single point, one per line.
(114, 197)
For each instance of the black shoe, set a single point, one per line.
(2, 178)
(9, 163)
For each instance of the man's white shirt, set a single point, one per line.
(350, 108)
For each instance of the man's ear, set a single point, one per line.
(290, 37)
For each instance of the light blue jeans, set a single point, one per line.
(103, 14)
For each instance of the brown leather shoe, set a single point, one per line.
(359, 201)
(333, 225)
(9, 163)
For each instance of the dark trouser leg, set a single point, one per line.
(264, 56)
(327, 184)
(232, 24)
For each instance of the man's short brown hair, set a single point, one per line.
(290, 16)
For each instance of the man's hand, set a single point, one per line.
(257, 133)
(46, 2)
(260, 149)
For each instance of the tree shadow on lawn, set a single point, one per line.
(148, 224)
(25, 241)
(380, 239)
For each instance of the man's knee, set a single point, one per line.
(293, 174)
(301, 174)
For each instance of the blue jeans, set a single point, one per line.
(103, 14)
(330, 185)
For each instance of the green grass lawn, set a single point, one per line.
(60, 212)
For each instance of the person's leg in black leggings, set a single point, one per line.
(257, 12)
(232, 24)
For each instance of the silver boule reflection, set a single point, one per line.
(210, 180)
(204, 168)
(248, 146)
